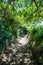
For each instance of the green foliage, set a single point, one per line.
(36, 32)
(16, 13)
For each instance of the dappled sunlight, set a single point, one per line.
(21, 32)
(40, 23)
(23, 40)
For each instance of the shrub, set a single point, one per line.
(36, 43)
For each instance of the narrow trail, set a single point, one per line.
(20, 45)
(15, 53)
(23, 40)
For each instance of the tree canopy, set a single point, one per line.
(22, 14)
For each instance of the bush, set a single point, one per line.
(36, 43)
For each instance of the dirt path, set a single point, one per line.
(14, 55)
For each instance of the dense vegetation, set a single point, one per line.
(22, 15)
(36, 42)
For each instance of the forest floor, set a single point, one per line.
(15, 55)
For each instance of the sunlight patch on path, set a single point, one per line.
(23, 40)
